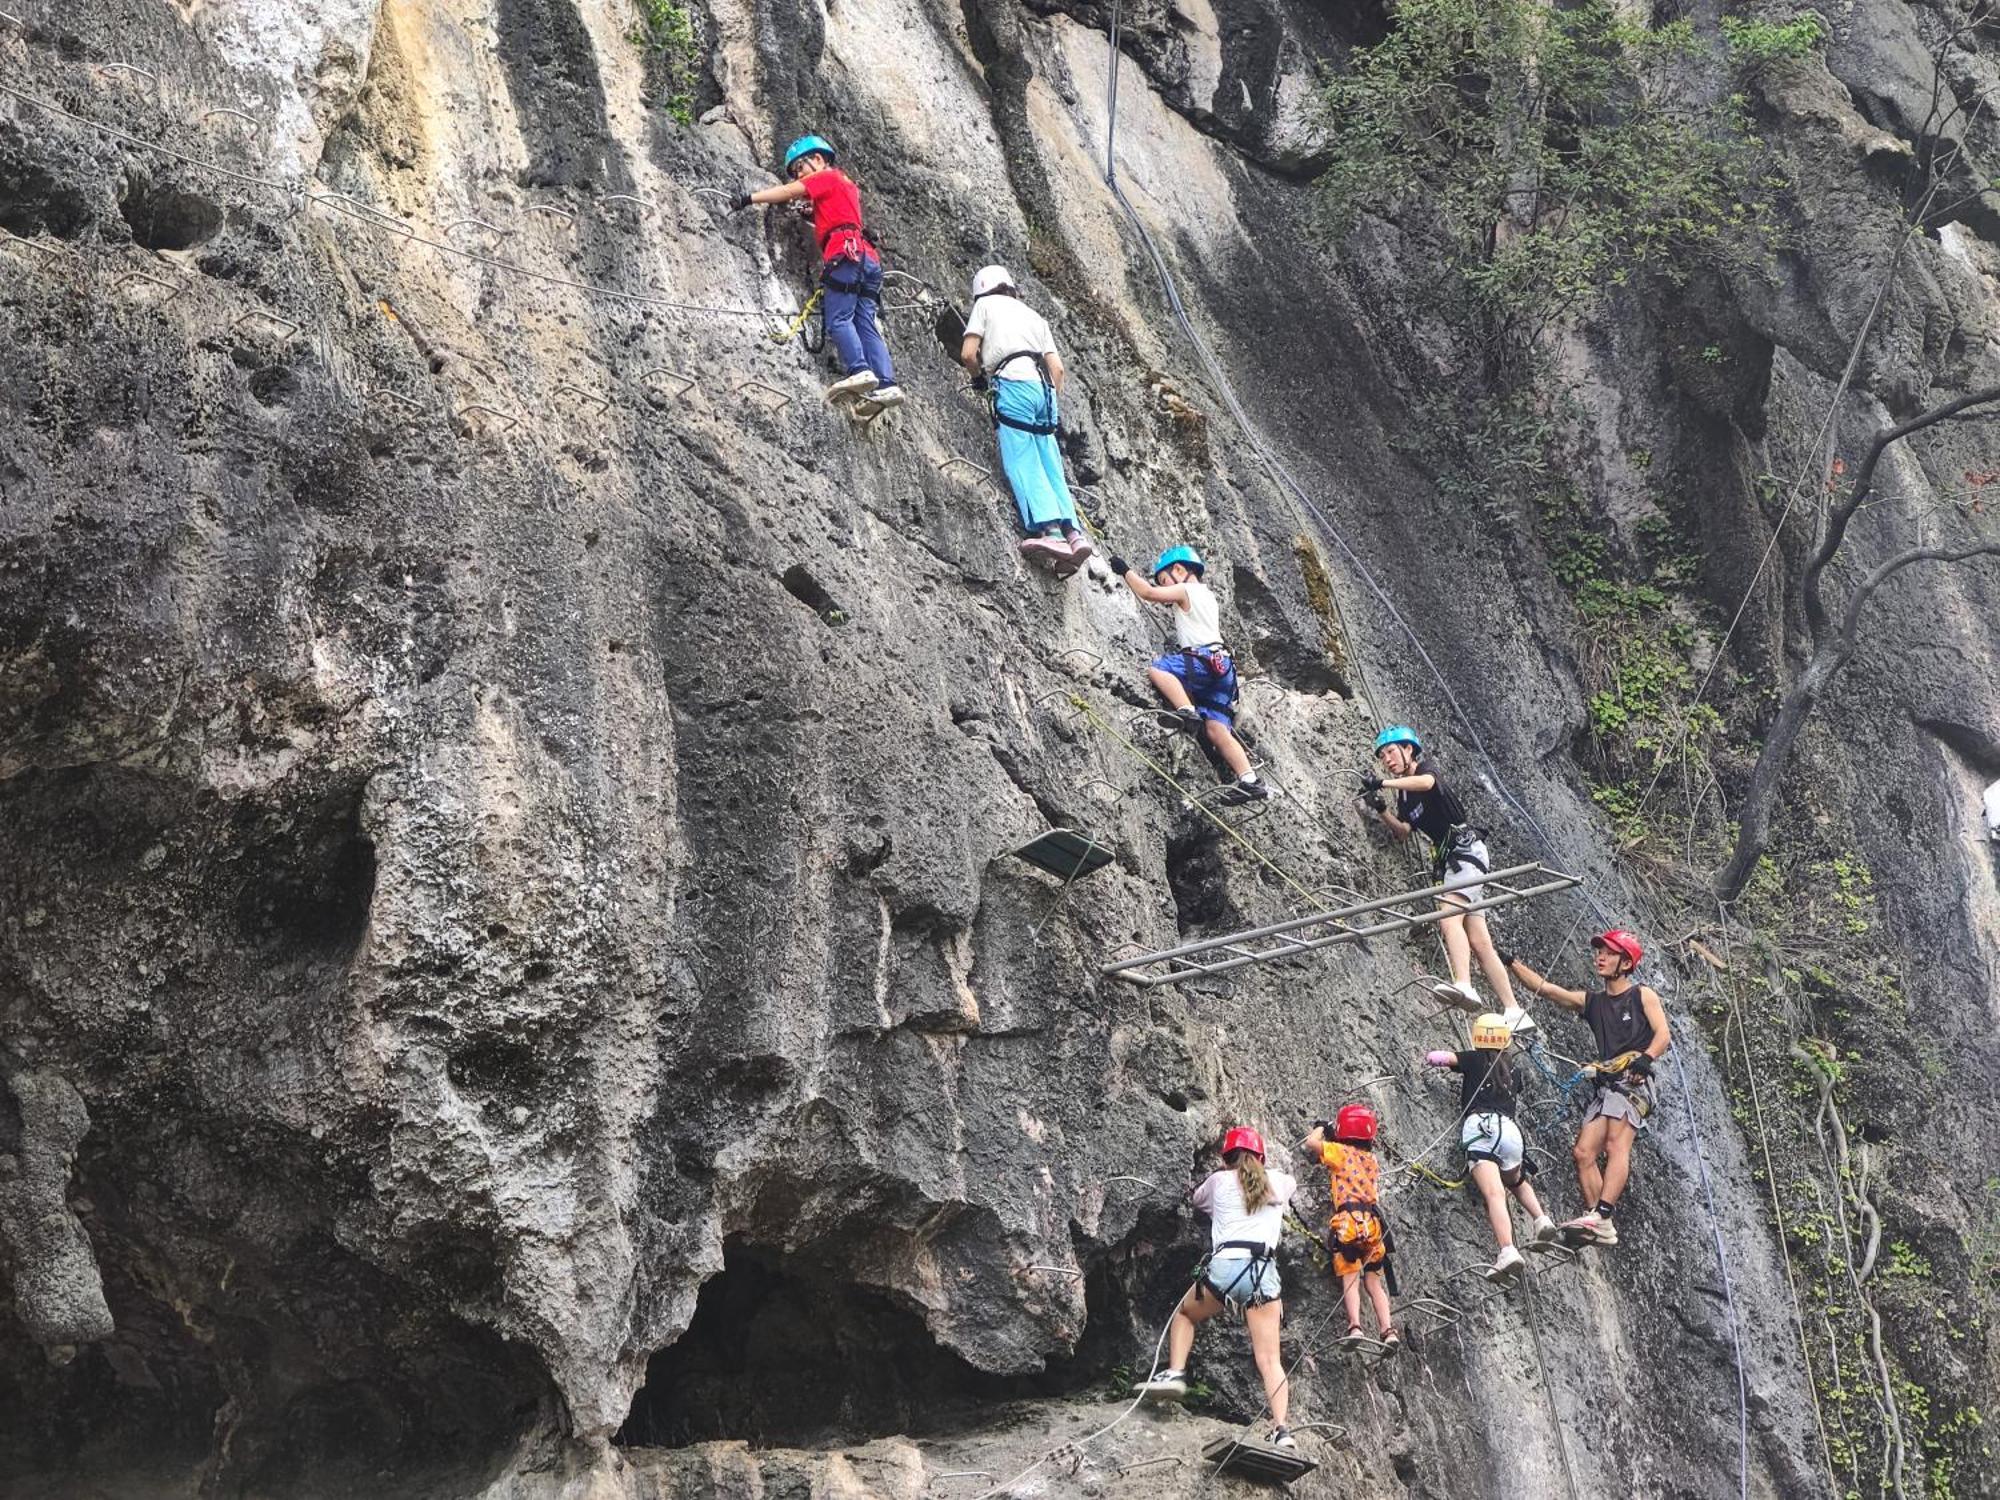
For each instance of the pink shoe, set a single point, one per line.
(1049, 549)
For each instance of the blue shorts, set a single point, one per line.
(1214, 697)
(1229, 1278)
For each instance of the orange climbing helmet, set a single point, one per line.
(1621, 942)
(1355, 1122)
(1243, 1138)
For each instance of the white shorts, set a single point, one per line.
(1464, 879)
(1492, 1136)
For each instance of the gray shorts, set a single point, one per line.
(1465, 879)
(1492, 1135)
(1613, 1104)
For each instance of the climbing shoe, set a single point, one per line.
(1171, 1383)
(1281, 1437)
(1052, 550)
(1240, 791)
(1459, 992)
(1509, 1265)
(860, 383)
(1589, 1229)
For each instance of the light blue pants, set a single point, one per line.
(1032, 460)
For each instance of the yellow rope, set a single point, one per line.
(1083, 706)
(799, 322)
(1418, 1169)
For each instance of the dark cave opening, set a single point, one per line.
(780, 1357)
(168, 218)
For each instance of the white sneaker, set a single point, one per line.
(1518, 1020)
(1589, 1229)
(1546, 1232)
(1166, 1383)
(1456, 993)
(886, 396)
(1507, 1266)
(1281, 1437)
(860, 383)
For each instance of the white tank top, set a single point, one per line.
(1200, 624)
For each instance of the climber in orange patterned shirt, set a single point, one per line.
(1358, 1241)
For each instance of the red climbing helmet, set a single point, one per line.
(1243, 1138)
(1621, 942)
(1355, 1122)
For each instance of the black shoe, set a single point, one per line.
(1188, 719)
(1240, 791)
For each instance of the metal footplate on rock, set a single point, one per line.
(1065, 853)
(1352, 923)
(1257, 1460)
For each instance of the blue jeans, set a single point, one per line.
(1032, 460)
(850, 317)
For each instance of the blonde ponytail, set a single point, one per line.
(1250, 1177)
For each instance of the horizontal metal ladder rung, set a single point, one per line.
(1293, 937)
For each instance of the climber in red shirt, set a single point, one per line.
(850, 273)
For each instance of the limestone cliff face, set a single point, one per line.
(504, 797)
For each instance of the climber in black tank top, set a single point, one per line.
(1630, 1028)
(1424, 804)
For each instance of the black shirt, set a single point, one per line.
(1618, 1022)
(1433, 813)
(1486, 1083)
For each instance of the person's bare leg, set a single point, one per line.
(1525, 1192)
(1227, 747)
(1350, 1293)
(1169, 687)
(1457, 951)
(1618, 1140)
(1486, 1177)
(1265, 1323)
(1589, 1146)
(1379, 1295)
(1195, 1308)
(1489, 958)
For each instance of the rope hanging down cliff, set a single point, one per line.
(1226, 391)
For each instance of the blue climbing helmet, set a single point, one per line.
(1179, 555)
(1397, 734)
(806, 145)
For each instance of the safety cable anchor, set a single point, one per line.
(603, 402)
(1444, 1313)
(944, 466)
(284, 327)
(48, 250)
(125, 67)
(643, 205)
(1056, 1270)
(144, 278)
(508, 420)
(1096, 661)
(648, 377)
(553, 211)
(784, 398)
(13, 20)
(397, 398)
(959, 1474)
(480, 224)
(242, 116)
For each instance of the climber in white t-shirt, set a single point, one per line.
(1197, 678)
(1012, 355)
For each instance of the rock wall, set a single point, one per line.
(508, 938)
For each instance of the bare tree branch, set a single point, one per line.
(1835, 531)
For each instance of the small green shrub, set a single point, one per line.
(665, 31)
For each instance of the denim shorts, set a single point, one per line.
(1492, 1135)
(1213, 695)
(1230, 1279)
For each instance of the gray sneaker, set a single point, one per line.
(860, 383)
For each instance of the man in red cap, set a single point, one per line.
(1630, 1025)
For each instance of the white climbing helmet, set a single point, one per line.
(989, 279)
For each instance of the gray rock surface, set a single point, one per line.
(507, 934)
